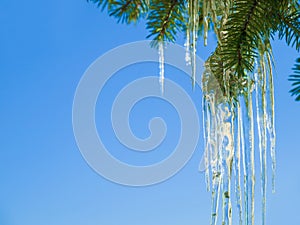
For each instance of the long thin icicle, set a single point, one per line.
(205, 20)
(271, 119)
(161, 65)
(195, 37)
(252, 163)
(260, 80)
(188, 36)
(245, 161)
(192, 35)
(248, 159)
(187, 48)
(237, 161)
(206, 136)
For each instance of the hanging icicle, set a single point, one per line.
(271, 114)
(239, 137)
(205, 20)
(187, 49)
(249, 151)
(260, 80)
(211, 146)
(188, 38)
(227, 157)
(220, 142)
(229, 139)
(192, 35)
(206, 136)
(161, 65)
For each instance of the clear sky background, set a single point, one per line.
(45, 47)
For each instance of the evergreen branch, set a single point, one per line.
(240, 25)
(128, 11)
(103, 3)
(245, 26)
(229, 85)
(290, 27)
(243, 30)
(165, 20)
(125, 11)
(295, 78)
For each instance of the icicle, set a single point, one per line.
(260, 80)
(252, 163)
(271, 119)
(220, 144)
(248, 159)
(206, 138)
(226, 148)
(237, 161)
(187, 48)
(206, 22)
(245, 157)
(188, 38)
(215, 196)
(216, 159)
(212, 144)
(161, 65)
(195, 16)
(214, 156)
(192, 35)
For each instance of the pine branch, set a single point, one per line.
(289, 28)
(125, 11)
(128, 11)
(295, 78)
(102, 3)
(229, 86)
(247, 24)
(243, 29)
(239, 24)
(165, 20)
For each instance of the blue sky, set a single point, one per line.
(45, 47)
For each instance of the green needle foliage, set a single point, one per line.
(244, 29)
(165, 19)
(295, 78)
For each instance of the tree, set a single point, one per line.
(242, 62)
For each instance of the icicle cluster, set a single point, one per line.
(229, 144)
(229, 124)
